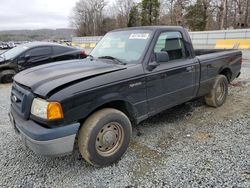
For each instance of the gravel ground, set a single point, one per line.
(191, 145)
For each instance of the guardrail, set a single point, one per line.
(86, 42)
(209, 38)
(233, 44)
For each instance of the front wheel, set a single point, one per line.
(104, 137)
(218, 94)
(6, 76)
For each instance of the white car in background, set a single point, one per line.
(11, 44)
(4, 45)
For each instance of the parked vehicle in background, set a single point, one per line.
(11, 45)
(33, 54)
(4, 46)
(130, 75)
(65, 42)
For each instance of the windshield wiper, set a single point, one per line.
(114, 59)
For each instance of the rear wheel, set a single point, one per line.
(6, 76)
(104, 137)
(218, 93)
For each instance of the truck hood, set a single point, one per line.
(44, 79)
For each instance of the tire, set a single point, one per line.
(104, 137)
(218, 94)
(6, 76)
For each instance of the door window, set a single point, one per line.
(33, 54)
(41, 51)
(172, 43)
(60, 50)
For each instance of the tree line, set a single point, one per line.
(96, 17)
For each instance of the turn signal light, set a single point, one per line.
(54, 111)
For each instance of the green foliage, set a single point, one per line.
(134, 16)
(196, 16)
(150, 12)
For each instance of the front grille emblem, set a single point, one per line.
(14, 98)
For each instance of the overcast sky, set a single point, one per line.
(35, 14)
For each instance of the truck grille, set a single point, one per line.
(21, 100)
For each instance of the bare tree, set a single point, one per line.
(88, 16)
(94, 17)
(247, 12)
(220, 14)
(123, 8)
(223, 9)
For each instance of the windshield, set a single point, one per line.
(12, 53)
(127, 46)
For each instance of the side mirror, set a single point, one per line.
(161, 56)
(26, 58)
(152, 65)
(157, 58)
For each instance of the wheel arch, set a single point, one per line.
(3, 71)
(122, 105)
(226, 71)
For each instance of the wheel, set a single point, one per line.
(104, 137)
(6, 76)
(218, 93)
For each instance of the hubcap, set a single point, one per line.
(109, 139)
(220, 91)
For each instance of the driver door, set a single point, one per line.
(172, 82)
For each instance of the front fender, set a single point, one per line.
(113, 98)
(81, 110)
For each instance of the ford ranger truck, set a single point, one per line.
(131, 75)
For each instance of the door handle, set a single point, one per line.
(190, 69)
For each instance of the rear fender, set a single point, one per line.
(226, 71)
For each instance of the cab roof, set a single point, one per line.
(152, 28)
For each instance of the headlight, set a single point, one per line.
(46, 110)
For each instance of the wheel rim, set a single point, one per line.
(109, 139)
(220, 91)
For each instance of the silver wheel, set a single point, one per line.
(220, 91)
(109, 139)
(104, 137)
(218, 94)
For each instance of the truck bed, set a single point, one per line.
(213, 55)
(199, 52)
(213, 62)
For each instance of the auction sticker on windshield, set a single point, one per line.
(142, 36)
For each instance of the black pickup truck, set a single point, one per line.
(132, 74)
